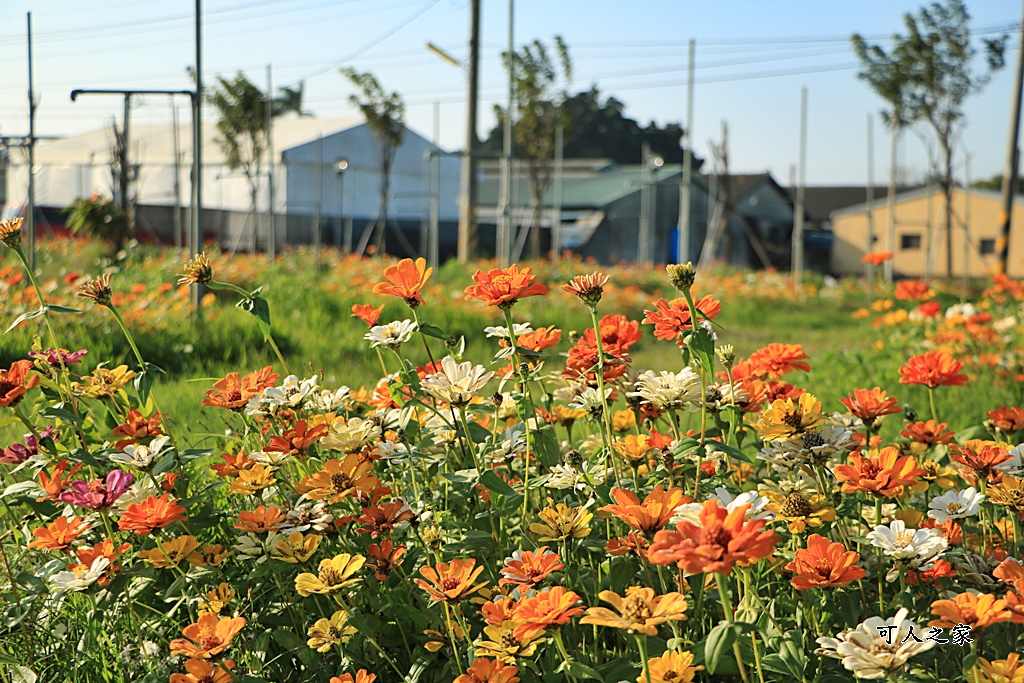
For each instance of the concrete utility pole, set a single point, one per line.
(890, 233)
(177, 174)
(556, 213)
(798, 220)
(197, 154)
(683, 236)
(124, 164)
(467, 181)
(504, 228)
(271, 218)
(1010, 170)
(870, 247)
(31, 209)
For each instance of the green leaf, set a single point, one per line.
(260, 308)
(702, 346)
(26, 316)
(495, 484)
(718, 646)
(462, 476)
(434, 331)
(23, 674)
(59, 413)
(18, 489)
(580, 670)
(144, 381)
(62, 309)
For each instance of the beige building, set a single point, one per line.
(919, 248)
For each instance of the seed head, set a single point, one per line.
(10, 232)
(198, 270)
(573, 459)
(682, 277)
(97, 290)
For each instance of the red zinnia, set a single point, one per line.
(776, 360)
(869, 404)
(15, 382)
(933, 369)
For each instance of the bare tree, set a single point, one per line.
(385, 115)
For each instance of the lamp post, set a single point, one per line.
(339, 167)
(649, 169)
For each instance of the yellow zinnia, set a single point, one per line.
(327, 632)
(296, 548)
(333, 575)
(786, 418)
(170, 553)
(561, 522)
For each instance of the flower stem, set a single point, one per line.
(641, 641)
(723, 593)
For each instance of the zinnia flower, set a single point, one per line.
(332, 575)
(503, 287)
(672, 318)
(207, 637)
(885, 474)
(10, 231)
(405, 280)
(640, 611)
(721, 540)
(451, 582)
(385, 557)
(528, 568)
(488, 671)
(955, 505)
(15, 381)
(327, 632)
(60, 534)
(456, 383)
(98, 494)
(197, 271)
(776, 360)
(362, 676)
(980, 459)
(367, 313)
(868, 653)
(933, 369)
(870, 404)
(98, 291)
(671, 667)
(588, 288)
(562, 522)
(339, 479)
(823, 564)
(152, 513)
(545, 610)
(786, 418)
(233, 392)
(201, 671)
(79, 577)
(655, 512)
(1009, 670)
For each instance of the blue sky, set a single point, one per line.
(753, 56)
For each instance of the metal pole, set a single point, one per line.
(435, 191)
(683, 236)
(319, 194)
(271, 218)
(968, 200)
(341, 206)
(197, 150)
(556, 217)
(1010, 170)
(643, 235)
(798, 223)
(467, 182)
(890, 234)
(504, 228)
(351, 215)
(870, 247)
(31, 209)
(126, 178)
(177, 174)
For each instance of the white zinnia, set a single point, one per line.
(756, 501)
(392, 335)
(915, 549)
(1015, 465)
(140, 456)
(80, 577)
(955, 505)
(351, 436)
(667, 390)
(590, 401)
(456, 383)
(501, 331)
(873, 650)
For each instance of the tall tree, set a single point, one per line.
(241, 128)
(540, 90)
(385, 115)
(936, 56)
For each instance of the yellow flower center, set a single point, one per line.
(954, 508)
(903, 538)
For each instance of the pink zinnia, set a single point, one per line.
(54, 356)
(97, 494)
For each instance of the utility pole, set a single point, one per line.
(683, 236)
(890, 233)
(176, 219)
(643, 234)
(798, 221)
(556, 214)
(271, 218)
(504, 227)
(197, 153)
(125, 168)
(467, 182)
(870, 247)
(1010, 170)
(31, 210)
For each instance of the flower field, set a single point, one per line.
(383, 473)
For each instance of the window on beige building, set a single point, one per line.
(910, 241)
(986, 247)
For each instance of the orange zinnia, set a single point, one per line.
(928, 433)
(207, 637)
(15, 382)
(136, 427)
(721, 540)
(1007, 419)
(672, 318)
(527, 568)
(297, 439)
(776, 360)
(362, 676)
(489, 671)
(105, 548)
(979, 459)
(639, 612)
(261, 520)
(53, 484)
(885, 474)
(339, 479)
(869, 404)
(876, 258)
(405, 280)
(200, 671)
(651, 515)
(545, 610)
(233, 392)
(60, 534)
(503, 287)
(152, 513)
(367, 313)
(977, 611)
(451, 582)
(500, 610)
(381, 520)
(913, 290)
(233, 464)
(384, 557)
(933, 369)
(823, 564)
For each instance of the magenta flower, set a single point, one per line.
(97, 494)
(54, 356)
(18, 453)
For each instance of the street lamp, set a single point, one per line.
(340, 166)
(649, 170)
